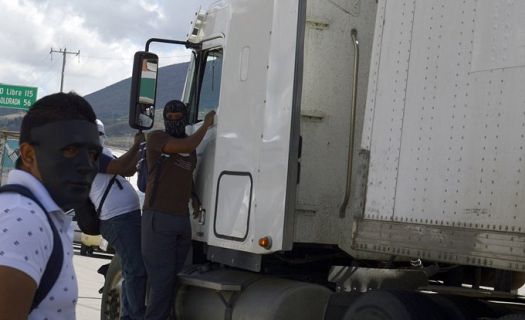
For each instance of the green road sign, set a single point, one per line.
(17, 97)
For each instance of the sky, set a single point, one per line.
(107, 34)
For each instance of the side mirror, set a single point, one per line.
(143, 90)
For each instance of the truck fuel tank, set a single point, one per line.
(232, 294)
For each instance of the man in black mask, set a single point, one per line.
(166, 229)
(59, 149)
(175, 116)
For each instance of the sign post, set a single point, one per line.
(17, 97)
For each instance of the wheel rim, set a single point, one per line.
(112, 309)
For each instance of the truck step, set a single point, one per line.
(219, 280)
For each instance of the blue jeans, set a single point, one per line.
(166, 240)
(123, 234)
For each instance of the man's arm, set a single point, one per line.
(16, 293)
(126, 165)
(190, 143)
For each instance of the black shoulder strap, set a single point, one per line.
(54, 264)
(104, 196)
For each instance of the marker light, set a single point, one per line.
(266, 242)
(195, 34)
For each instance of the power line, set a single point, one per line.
(64, 53)
(131, 58)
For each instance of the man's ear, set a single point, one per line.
(28, 158)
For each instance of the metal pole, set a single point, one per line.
(63, 67)
(64, 53)
(3, 141)
(353, 110)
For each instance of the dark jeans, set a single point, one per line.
(123, 234)
(166, 240)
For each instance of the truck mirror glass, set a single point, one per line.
(143, 90)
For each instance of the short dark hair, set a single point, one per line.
(55, 107)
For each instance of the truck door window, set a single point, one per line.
(210, 84)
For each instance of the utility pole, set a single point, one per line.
(64, 53)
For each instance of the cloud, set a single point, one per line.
(107, 33)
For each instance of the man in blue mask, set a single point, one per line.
(59, 150)
(166, 229)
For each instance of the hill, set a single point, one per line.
(111, 104)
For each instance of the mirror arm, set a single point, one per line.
(187, 44)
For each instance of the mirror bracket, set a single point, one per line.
(187, 44)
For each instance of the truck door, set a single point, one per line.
(247, 173)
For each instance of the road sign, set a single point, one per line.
(17, 97)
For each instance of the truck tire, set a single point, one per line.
(470, 308)
(338, 304)
(513, 317)
(85, 250)
(399, 305)
(111, 295)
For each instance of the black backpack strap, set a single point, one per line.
(106, 193)
(54, 264)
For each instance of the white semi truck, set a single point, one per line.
(367, 160)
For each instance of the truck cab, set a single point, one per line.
(364, 151)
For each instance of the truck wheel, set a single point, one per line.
(111, 295)
(84, 250)
(338, 304)
(513, 317)
(397, 305)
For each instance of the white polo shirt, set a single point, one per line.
(26, 242)
(118, 201)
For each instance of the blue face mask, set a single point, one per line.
(67, 159)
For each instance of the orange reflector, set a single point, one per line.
(265, 242)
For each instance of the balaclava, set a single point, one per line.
(176, 128)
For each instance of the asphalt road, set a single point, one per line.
(89, 282)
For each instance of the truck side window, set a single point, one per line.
(211, 84)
